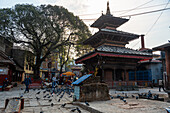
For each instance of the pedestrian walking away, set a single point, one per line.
(54, 83)
(160, 85)
(27, 82)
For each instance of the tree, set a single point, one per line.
(42, 29)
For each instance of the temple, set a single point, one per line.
(111, 60)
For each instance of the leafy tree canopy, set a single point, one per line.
(42, 29)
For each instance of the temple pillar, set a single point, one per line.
(167, 59)
(114, 74)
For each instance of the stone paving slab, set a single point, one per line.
(132, 106)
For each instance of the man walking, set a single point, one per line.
(27, 82)
(160, 85)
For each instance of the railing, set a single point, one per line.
(114, 84)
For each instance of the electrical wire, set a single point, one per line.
(124, 10)
(135, 14)
(154, 23)
(156, 19)
(137, 7)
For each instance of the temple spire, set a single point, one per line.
(108, 9)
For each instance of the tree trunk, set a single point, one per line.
(37, 72)
(61, 69)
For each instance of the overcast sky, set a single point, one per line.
(91, 9)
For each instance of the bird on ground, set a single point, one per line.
(34, 89)
(137, 97)
(121, 98)
(63, 105)
(59, 100)
(124, 101)
(70, 96)
(79, 111)
(44, 96)
(50, 100)
(38, 92)
(73, 110)
(118, 96)
(44, 91)
(37, 98)
(52, 104)
(87, 103)
(111, 97)
(41, 111)
(126, 96)
(133, 96)
(156, 96)
(48, 96)
(21, 88)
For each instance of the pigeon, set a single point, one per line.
(48, 96)
(125, 101)
(156, 96)
(37, 98)
(111, 97)
(133, 96)
(21, 88)
(121, 98)
(52, 104)
(44, 91)
(126, 95)
(33, 89)
(87, 103)
(63, 105)
(50, 100)
(70, 96)
(137, 97)
(59, 100)
(41, 111)
(73, 110)
(38, 92)
(79, 111)
(118, 96)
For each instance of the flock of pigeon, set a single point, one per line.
(59, 92)
(148, 95)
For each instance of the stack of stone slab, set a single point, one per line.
(14, 105)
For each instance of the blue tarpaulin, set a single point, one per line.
(81, 79)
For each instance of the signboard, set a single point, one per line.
(3, 71)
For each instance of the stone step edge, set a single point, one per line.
(85, 107)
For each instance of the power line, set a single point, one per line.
(154, 22)
(124, 10)
(141, 8)
(157, 19)
(135, 14)
(137, 7)
(145, 12)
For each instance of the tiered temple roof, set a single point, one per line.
(109, 42)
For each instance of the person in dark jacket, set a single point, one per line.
(27, 82)
(5, 84)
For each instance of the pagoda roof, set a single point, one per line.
(120, 36)
(109, 20)
(114, 51)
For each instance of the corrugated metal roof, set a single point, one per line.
(123, 50)
(81, 79)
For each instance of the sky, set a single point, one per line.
(141, 24)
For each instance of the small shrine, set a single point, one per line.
(111, 60)
(89, 88)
